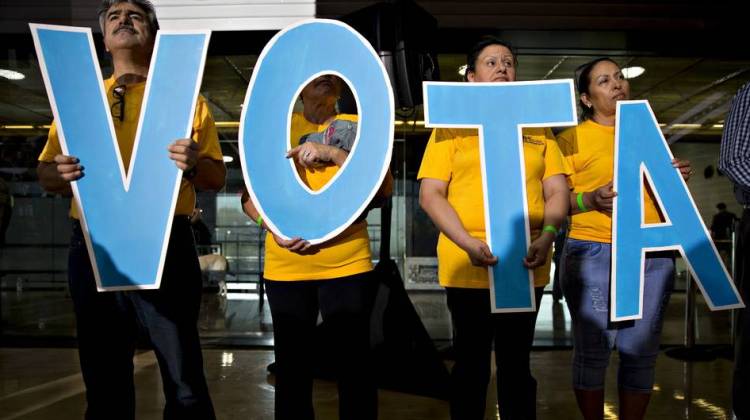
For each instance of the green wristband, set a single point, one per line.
(550, 228)
(259, 221)
(579, 200)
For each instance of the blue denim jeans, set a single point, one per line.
(586, 276)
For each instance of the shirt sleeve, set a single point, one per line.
(566, 145)
(52, 148)
(436, 162)
(734, 159)
(204, 132)
(554, 162)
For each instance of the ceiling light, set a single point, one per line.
(632, 72)
(686, 126)
(11, 75)
(228, 159)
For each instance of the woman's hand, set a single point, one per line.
(296, 245)
(684, 166)
(538, 250)
(314, 155)
(479, 252)
(601, 198)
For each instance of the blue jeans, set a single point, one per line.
(586, 275)
(108, 323)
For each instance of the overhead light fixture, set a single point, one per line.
(686, 126)
(632, 72)
(11, 75)
(228, 159)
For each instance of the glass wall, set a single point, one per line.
(690, 95)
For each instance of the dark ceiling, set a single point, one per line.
(693, 54)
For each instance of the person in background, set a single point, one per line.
(451, 194)
(107, 322)
(585, 263)
(723, 223)
(734, 161)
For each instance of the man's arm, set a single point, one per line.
(734, 159)
(210, 175)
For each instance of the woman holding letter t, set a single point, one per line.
(585, 263)
(451, 194)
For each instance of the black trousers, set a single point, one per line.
(108, 323)
(741, 383)
(475, 329)
(345, 305)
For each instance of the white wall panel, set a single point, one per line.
(232, 15)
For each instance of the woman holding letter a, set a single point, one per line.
(334, 278)
(451, 194)
(585, 263)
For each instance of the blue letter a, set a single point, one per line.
(126, 214)
(640, 149)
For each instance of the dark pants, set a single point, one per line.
(475, 329)
(108, 323)
(741, 386)
(345, 305)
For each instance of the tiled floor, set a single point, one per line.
(44, 384)
(39, 375)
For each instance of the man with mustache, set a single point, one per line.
(107, 323)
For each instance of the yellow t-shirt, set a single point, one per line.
(204, 133)
(452, 155)
(589, 149)
(339, 257)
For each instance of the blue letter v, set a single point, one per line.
(127, 215)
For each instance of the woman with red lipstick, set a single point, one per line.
(451, 194)
(585, 263)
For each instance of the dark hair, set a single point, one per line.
(721, 206)
(146, 5)
(484, 42)
(583, 80)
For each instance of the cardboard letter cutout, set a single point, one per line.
(292, 59)
(640, 149)
(126, 215)
(499, 111)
